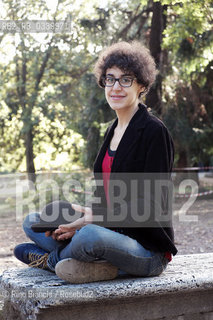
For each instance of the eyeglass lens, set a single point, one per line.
(123, 81)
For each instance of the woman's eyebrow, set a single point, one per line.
(122, 75)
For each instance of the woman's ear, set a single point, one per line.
(142, 92)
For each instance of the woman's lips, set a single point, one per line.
(116, 97)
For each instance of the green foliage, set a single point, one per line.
(41, 72)
(187, 86)
(189, 34)
(48, 91)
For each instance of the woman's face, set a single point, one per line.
(120, 97)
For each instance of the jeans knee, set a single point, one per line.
(88, 230)
(91, 233)
(29, 221)
(87, 239)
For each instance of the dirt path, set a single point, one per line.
(195, 237)
(190, 237)
(9, 238)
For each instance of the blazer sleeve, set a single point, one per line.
(159, 150)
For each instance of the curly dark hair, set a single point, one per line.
(131, 57)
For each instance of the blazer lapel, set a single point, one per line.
(130, 137)
(102, 151)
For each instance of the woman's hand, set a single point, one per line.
(67, 231)
(51, 234)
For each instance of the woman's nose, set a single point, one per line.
(117, 85)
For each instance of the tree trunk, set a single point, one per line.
(154, 96)
(30, 156)
(182, 161)
(158, 24)
(92, 145)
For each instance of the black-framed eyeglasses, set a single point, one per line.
(124, 81)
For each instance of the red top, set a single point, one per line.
(106, 170)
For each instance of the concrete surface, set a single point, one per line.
(183, 292)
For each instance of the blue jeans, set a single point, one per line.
(93, 242)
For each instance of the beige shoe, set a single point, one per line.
(76, 271)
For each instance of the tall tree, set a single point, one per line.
(158, 24)
(39, 75)
(188, 88)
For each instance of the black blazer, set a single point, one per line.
(146, 147)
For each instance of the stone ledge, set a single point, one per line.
(184, 289)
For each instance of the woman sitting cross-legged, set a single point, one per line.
(136, 145)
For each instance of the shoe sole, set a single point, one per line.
(75, 271)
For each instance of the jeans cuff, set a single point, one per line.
(50, 266)
(53, 259)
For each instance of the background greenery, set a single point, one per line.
(53, 114)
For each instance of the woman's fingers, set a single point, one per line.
(70, 226)
(65, 228)
(66, 235)
(66, 231)
(48, 233)
(54, 235)
(60, 234)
